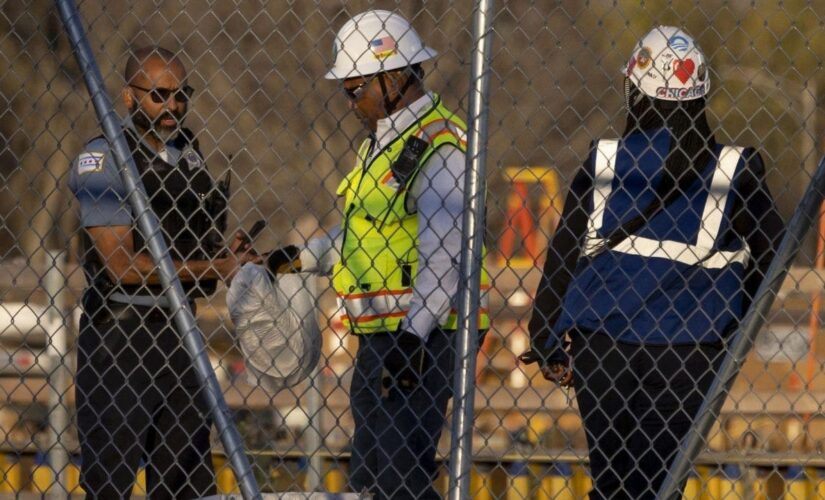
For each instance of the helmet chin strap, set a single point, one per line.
(632, 95)
(390, 104)
(627, 93)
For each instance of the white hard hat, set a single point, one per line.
(668, 65)
(373, 42)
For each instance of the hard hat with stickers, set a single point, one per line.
(373, 42)
(668, 65)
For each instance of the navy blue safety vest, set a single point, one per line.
(678, 279)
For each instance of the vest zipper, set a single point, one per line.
(351, 206)
(368, 164)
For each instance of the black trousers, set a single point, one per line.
(396, 433)
(637, 403)
(138, 401)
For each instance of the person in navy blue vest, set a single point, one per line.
(664, 239)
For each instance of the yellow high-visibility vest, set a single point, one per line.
(375, 276)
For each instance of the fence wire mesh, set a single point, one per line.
(616, 235)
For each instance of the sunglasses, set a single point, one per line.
(356, 93)
(161, 95)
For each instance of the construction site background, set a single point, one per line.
(263, 111)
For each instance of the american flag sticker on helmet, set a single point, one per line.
(383, 47)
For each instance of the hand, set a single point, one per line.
(404, 364)
(559, 372)
(240, 243)
(284, 260)
(530, 357)
(240, 252)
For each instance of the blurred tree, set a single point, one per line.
(263, 109)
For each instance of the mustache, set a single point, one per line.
(142, 121)
(142, 118)
(178, 117)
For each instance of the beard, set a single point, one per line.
(144, 123)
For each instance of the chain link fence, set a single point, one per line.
(101, 385)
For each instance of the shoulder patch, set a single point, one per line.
(90, 162)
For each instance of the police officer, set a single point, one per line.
(664, 239)
(394, 258)
(137, 391)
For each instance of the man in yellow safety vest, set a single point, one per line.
(394, 258)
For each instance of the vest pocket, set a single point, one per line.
(406, 275)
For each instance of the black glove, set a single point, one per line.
(281, 256)
(532, 356)
(535, 355)
(405, 362)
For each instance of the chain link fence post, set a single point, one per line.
(472, 258)
(55, 284)
(314, 439)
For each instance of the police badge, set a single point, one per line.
(193, 159)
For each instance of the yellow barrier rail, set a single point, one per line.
(564, 476)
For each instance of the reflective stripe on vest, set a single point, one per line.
(436, 129)
(365, 307)
(361, 307)
(374, 279)
(702, 252)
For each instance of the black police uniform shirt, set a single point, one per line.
(103, 200)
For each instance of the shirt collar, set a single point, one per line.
(387, 129)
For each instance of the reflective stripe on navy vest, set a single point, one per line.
(679, 278)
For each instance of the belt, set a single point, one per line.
(141, 300)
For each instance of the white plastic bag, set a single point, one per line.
(276, 325)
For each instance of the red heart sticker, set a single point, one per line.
(683, 69)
